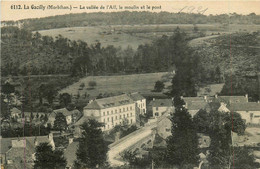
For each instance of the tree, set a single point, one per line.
(244, 158)
(159, 86)
(48, 91)
(92, 150)
(182, 145)
(92, 84)
(65, 99)
(178, 102)
(46, 158)
(7, 88)
(5, 114)
(221, 125)
(201, 120)
(60, 122)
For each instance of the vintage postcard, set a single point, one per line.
(130, 84)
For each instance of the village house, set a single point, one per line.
(15, 113)
(20, 152)
(250, 111)
(112, 111)
(140, 102)
(71, 116)
(159, 106)
(194, 104)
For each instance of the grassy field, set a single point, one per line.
(117, 84)
(134, 35)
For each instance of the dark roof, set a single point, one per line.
(70, 153)
(159, 141)
(114, 101)
(196, 105)
(6, 143)
(162, 103)
(84, 118)
(232, 99)
(136, 96)
(64, 111)
(250, 106)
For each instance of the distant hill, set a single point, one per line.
(134, 18)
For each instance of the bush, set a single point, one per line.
(159, 86)
(92, 84)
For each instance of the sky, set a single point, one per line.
(206, 7)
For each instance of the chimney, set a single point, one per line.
(205, 98)
(70, 140)
(153, 99)
(246, 97)
(50, 136)
(35, 141)
(216, 96)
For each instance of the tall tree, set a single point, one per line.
(221, 125)
(159, 86)
(201, 120)
(65, 99)
(46, 158)
(182, 145)
(92, 150)
(60, 122)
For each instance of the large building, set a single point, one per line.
(160, 106)
(140, 102)
(112, 111)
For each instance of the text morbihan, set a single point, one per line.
(58, 7)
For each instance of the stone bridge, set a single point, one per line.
(134, 141)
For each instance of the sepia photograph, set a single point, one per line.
(130, 84)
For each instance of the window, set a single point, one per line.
(156, 114)
(112, 119)
(127, 109)
(124, 115)
(108, 119)
(144, 110)
(119, 110)
(107, 112)
(131, 114)
(123, 109)
(115, 111)
(127, 115)
(111, 111)
(120, 116)
(167, 130)
(104, 120)
(104, 113)
(131, 121)
(156, 108)
(116, 117)
(130, 107)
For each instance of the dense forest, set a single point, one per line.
(134, 18)
(25, 53)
